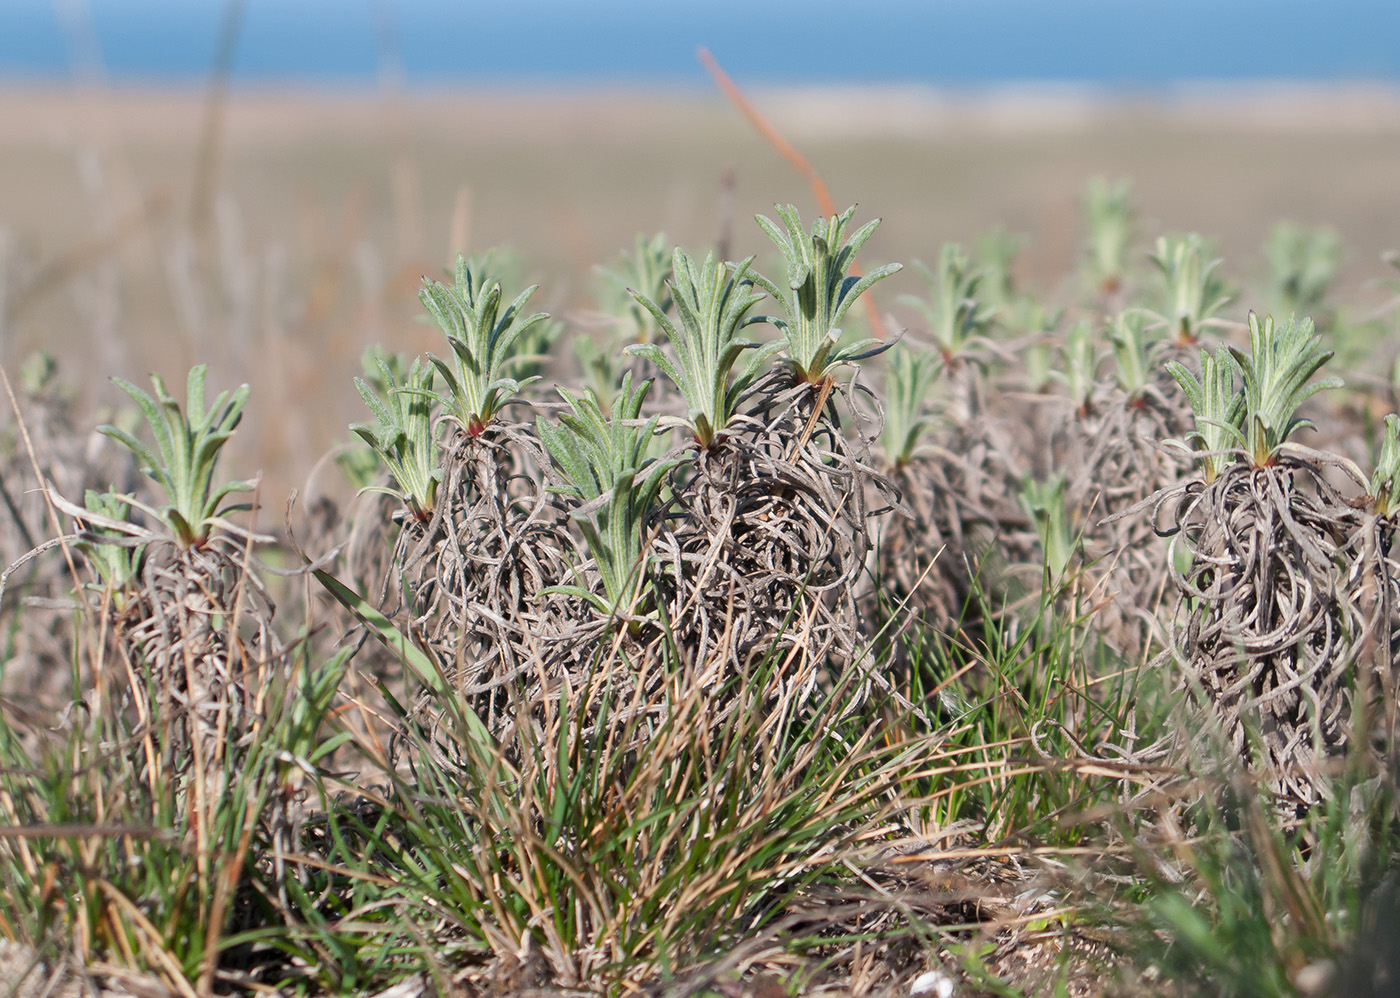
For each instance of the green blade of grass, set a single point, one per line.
(414, 657)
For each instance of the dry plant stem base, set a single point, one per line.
(766, 537)
(183, 632)
(1281, 604)
(1117, 464)
(475, 570)
(960, 488)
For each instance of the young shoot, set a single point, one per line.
(116, 563)
(996, 259)
(1276, 371)
(712, 300)
(1218, 406)
(1038, 359)
(405, 432)
(186, 453)
(1080, 367)
(953, 313)
(1302, 263)
(533, 349)
(600, 365)
(605, 464)
(1036, 322)
(485, 341)
(820, 289)
(1111, 222)
(645, 271)
(908, 378)
(1193, 290)
(1045, 502)
(38, 373)
(1132, 352)
(1384, 489)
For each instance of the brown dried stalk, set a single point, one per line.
(475, 571)
(769, 530)
(1273, 614)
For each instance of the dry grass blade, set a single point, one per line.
(632, 818)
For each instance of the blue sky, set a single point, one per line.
(1140, 44)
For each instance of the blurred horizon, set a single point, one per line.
(1129, 46)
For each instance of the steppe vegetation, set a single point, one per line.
(1045, 645)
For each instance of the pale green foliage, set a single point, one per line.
(1035, 321)
(712, 301)
(383, 370)
(37, 372)
(601, 367)
(187, 451)
(996, 257)
(1132, 351)
(532, 351)
(1038, 361)
(1276, 373)
(1217, 405)
(503, 264)
(1193, 290)
(908, 378)
(1261, 416)
(359, 465)
(1384, 488)
(1111, 221)
(1303, 263)
(484, 341)
(605, 465)
(820, 288)
(405, 432)
(954, 315)
(1081, 363)
(1045, 502)
(116, 564)
(644, 272)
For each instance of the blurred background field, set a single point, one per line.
(278, 234)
